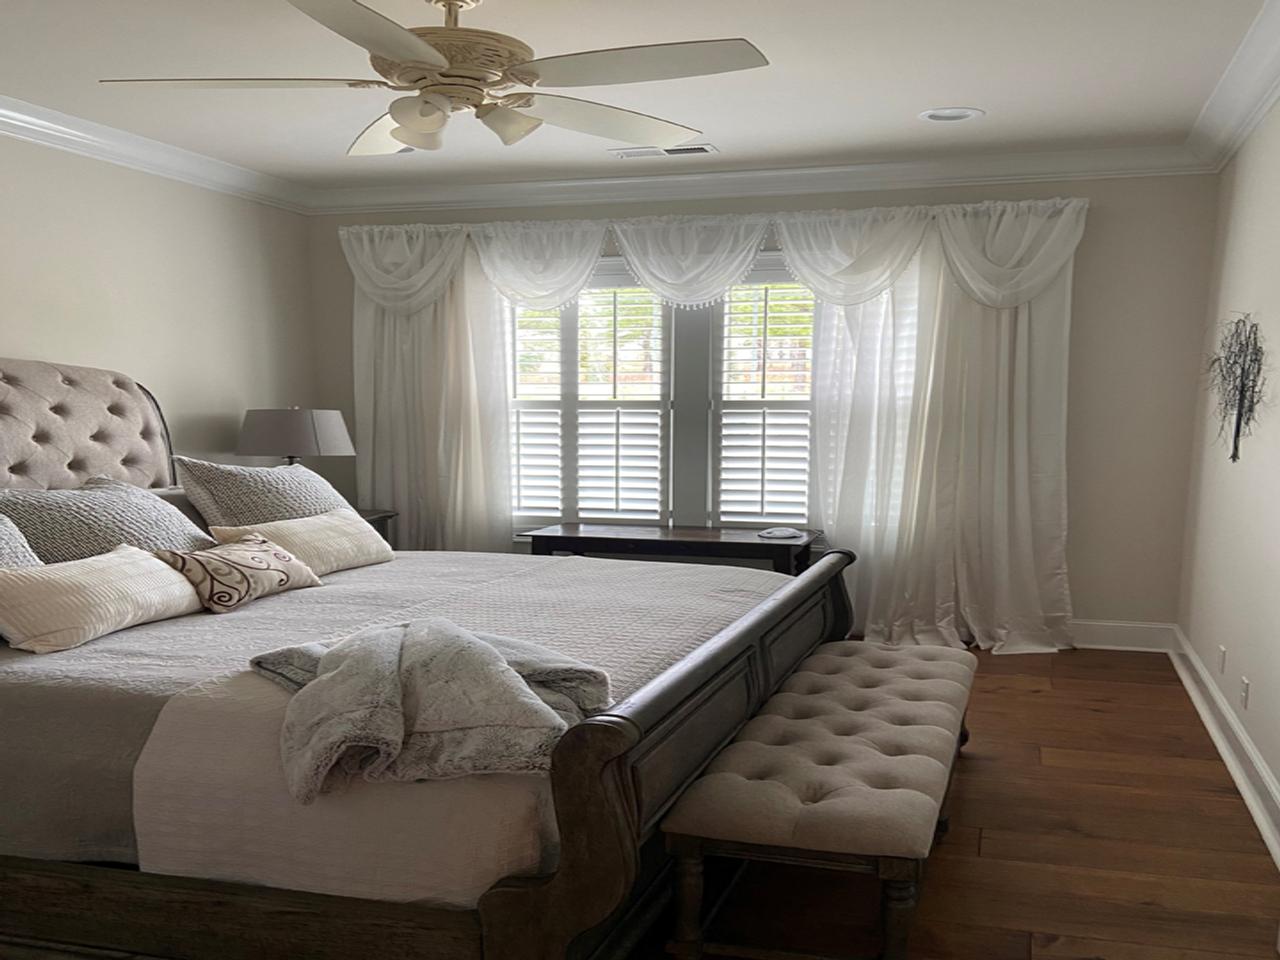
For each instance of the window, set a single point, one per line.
(592, 444)
(623, 412)
(536, 460)
(621, 404)
(762, 404)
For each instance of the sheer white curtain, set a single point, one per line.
(690, 261)
(939, 388)
(940, 414)
(430, 365)
(1007, 320)
(541, 265)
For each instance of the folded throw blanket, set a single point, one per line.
(424, 700)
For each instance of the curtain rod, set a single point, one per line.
(1056, 203)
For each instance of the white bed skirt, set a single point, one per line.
(210, 801)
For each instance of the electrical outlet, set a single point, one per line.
(1222, 659)
(1244, 692)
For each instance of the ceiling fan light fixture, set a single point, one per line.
(952, 114)
(510, 125)
(419, 139)
(426, 112)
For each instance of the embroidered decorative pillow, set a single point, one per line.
(231, 574)
(63, 525)
(14, 549)
(337, 540)
(234, 496)
(58, 606)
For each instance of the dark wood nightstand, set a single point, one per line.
(787, 556)
(380, 520)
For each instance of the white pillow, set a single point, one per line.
(337, 540)
(62, 605)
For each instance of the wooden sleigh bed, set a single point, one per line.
(613, 777)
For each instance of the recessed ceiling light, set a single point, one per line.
(952, 114)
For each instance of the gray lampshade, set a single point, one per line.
(294, 433)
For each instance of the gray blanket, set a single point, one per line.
(424, 700)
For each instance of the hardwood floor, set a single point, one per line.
(1092, 820)
(33, 950)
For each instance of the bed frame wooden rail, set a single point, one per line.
(613, 776)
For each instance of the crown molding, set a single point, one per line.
(36, 124)
(940, 172)
(1247, 89)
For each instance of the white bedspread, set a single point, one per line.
(209, 792)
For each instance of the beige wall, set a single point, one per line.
(1232, 569)
(200, 296)
(1140, 293)
(219, 304)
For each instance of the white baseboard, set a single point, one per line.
(1254, 779)
(1124, 635)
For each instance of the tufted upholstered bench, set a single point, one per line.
(846, 767)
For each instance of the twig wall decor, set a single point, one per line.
(1238, 378)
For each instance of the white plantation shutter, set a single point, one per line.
(589, 416)
(764, 464)
(536, 338)
(536, 454)
(536, 462)
(620, 345)
(594, 418)
(763, 405)
(621, 463)
(622, 394)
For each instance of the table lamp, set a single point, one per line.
(294, 433)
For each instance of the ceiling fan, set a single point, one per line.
(452, 68)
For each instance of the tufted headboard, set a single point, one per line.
(60, 425)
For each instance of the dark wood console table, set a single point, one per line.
(787, 556)
(380, 520)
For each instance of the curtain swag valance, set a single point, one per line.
(1001, 253)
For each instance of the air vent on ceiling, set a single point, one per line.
(684, 150)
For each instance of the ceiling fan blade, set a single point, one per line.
(511, 126)
(600, 119)
(659, 61)
(371, 30)
(420, 139)
(376, 140)
(254, 83)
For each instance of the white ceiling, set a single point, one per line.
(846, 81)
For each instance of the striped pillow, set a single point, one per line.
(337, 540)
(62, 605)
(14, 549)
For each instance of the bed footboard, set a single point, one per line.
(617, 773)
(613, 777)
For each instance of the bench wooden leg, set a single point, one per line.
(942, 826)
(897, 907)
(899, 889)
(688, 940)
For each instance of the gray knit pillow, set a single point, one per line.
(235, 496)
(96, 518)
(14, 549)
